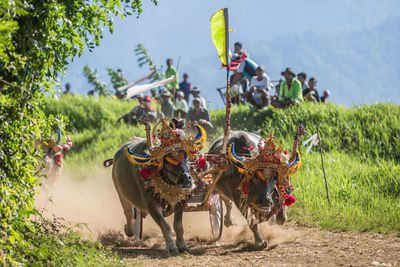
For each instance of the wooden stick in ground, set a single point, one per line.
(323, 167)
(211, 188)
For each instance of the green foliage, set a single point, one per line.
(52, 243)
(145, 58)
(37, 40)
(93, 78)
(365, 194)
(368, 131)
(117, 79)
(363, 179)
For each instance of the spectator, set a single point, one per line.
(302, 77)
(171, 71)
(198, 114)
(237, 76)
(167, 108)
(196, 94)
(67, 90)
(290, 91)
(323, 98)
(275, 97)
(181, 107)
(311, 93)
(259, 86)
(144, 109)
(155, 97)
(185, 87)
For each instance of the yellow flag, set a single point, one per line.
(220, 34)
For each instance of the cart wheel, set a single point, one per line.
(216, 213)
(138, 225)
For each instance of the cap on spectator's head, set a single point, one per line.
(327, 92)
(140, 97)
(196, 89)
(288, 70)
(197, 99)
(153, 89)
(147, 98)
(180, 93)
(166, 93)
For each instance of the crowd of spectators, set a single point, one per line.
(249, 84)
(257, 89)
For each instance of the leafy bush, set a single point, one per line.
(370, 131)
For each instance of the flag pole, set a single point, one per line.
(323, 167)
(228, 91)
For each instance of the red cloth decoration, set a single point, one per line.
(289, 201)
(235, 64)
(246, 187)
(202, 163)
(145, 173)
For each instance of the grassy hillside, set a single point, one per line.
(362, 152)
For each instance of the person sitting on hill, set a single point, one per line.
(290, 91)
(323, 98)
(167, 108)
(302, 77)
(67, 89)
(275, 97)
(199, 115)
(259, 86)
(144, 109)
(154, 96)
(196, 94)
(311, 93)
(181, 107)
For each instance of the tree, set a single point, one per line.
(145, 58)
(93, 78)
(117, 79)
(37, 40)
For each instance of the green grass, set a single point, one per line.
(364, 194)
(361, 150)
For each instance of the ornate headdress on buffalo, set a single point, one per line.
(167, 138)
(268, 157)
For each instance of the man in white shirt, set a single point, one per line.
(259, 86)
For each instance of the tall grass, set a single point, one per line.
(361, 144)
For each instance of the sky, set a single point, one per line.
(181, 28)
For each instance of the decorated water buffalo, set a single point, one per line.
(153, 176)
(258, 178)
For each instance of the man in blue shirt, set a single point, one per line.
(185, 87)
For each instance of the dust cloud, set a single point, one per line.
(94, 202)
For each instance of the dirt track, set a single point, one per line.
(96, 203)
(303, 247)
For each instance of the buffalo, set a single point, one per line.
(262, 189)
(157, 179)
